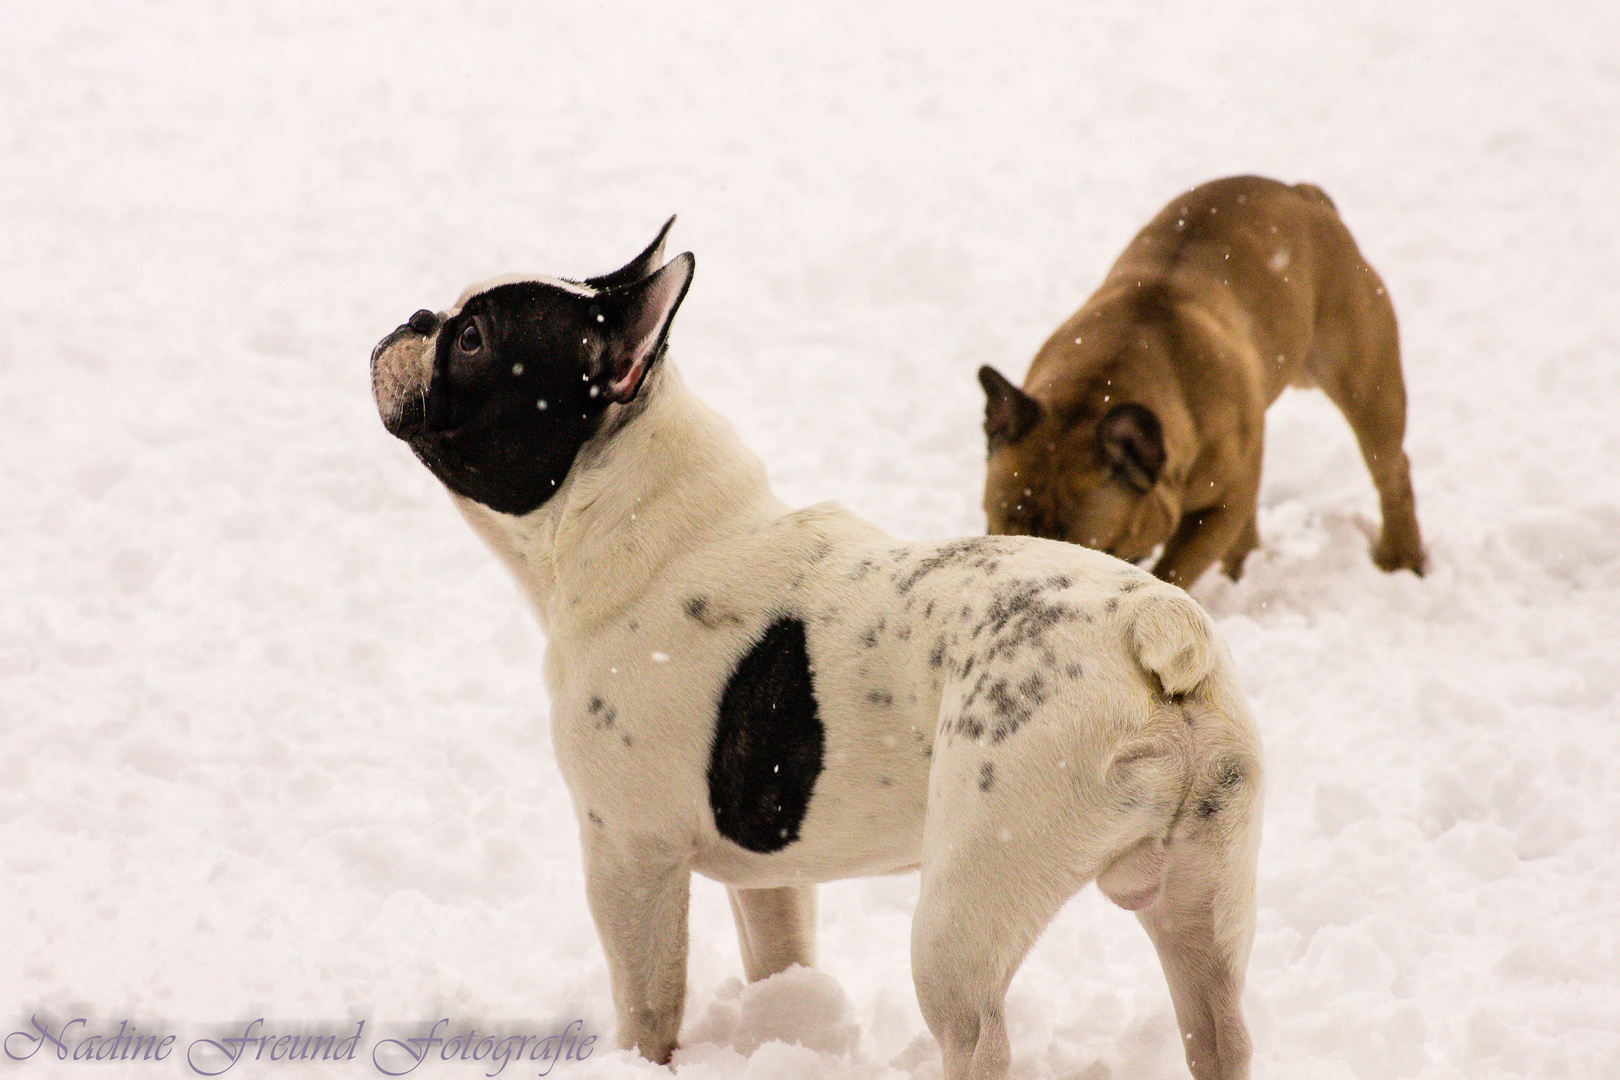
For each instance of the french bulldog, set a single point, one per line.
(775, 698)
(1142, 419)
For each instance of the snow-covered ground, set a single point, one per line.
(273, 739)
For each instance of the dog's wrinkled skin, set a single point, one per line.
(776, 698)
(1141, 420)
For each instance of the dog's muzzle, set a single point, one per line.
(401, 373)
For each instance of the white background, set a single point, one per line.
(273, 739)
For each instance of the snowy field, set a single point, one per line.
(273, 738)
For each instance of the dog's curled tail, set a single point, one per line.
(1316, 194)
(1173, 639)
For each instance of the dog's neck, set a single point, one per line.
(664, 472)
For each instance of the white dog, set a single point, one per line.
(775, 698)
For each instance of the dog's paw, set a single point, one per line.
(1391, 557)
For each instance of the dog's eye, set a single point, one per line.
(470, 340)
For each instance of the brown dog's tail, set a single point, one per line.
(1316, 194)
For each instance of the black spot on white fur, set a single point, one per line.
(700, 611)
(987, 776)
(1021, 613)
(768, 740)
(603, 715)
(953, 553)
(1229, 777)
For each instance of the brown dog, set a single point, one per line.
(1142, 418)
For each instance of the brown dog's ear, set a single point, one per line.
(637, 319)
(637, 268)
(1009, 413)
(1133, 443)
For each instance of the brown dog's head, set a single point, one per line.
(1091, 472)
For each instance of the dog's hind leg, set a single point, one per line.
(1356, 360)
(1202, 920)
(776, 928)
(979, 911)
(1377, 415)
(1010, 835)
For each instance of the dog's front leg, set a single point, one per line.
(638, 895)
(1206, 535)
(776, 928)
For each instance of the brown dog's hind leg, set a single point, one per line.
(1364, 381)
(1400, 546)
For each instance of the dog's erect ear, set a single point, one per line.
(637, 268)
(1009, 413)
(636, 318)
(1133, 443)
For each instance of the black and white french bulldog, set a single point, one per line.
(775, 698)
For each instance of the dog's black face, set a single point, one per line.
(498, 397)
(516, 390)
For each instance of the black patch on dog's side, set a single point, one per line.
(987, 776)
(768, 739)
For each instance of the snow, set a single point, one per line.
(273, 737)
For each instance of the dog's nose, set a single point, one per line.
(423, 322)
